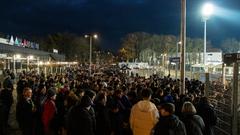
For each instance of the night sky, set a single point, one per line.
(113, 19)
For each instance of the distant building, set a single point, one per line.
(30, 56)
(212, 58)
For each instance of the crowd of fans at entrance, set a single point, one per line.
(110, 103)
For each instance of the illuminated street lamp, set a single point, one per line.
(207, 11)
(91, 37)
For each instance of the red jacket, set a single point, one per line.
(49, 112)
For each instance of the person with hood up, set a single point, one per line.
(169, 124)
(144, 115)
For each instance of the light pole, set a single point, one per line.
(95, 36)
(183, 45)
(176, 66)
(207, 11)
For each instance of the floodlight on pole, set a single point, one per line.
(91, 37)
(207, 11)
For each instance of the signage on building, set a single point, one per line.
(231, 58)
(175, 59)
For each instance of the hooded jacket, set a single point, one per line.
(144, 116)
(194, 124)
(170, 125)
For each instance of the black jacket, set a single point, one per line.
(80, 122)
(103, 125)
(209, 117)
(6, 97)
(25, 116)
(169, 125)
(194, 124)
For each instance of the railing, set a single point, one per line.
(222, 101)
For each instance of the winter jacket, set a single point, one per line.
(169, 125)
(25, 116)
(80, 122)
(6, 97)
(144, 116)
(103, 125)
(49, 115)
(209, 117)
(194, 124)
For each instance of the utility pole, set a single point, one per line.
(183, 45)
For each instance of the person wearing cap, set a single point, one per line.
(49, 113)
(144, 115)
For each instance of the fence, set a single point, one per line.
(222, 99)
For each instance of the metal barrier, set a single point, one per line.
(222, 101)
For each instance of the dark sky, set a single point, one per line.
(113, 19)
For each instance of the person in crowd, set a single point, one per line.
(118, 112)
(80, 121)
(71, 100)
(122, 93)
(194, 123)
(25, 112)
(7, 83)
(92, 95)
(169, 124)
(79, 93)
(144, 115)
(178, 104)
(40, 98)
(168, 98)
(3, 128)
(2, 124)
(132, 97)
(21, 84)
(61, 108)
(206, 111)
(6, 99)
(160, 95)
(49, 119)
(103, 123)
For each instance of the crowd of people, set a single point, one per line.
(110, 103)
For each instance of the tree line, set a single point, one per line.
(134, 46)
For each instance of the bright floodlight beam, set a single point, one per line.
(207, 10)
